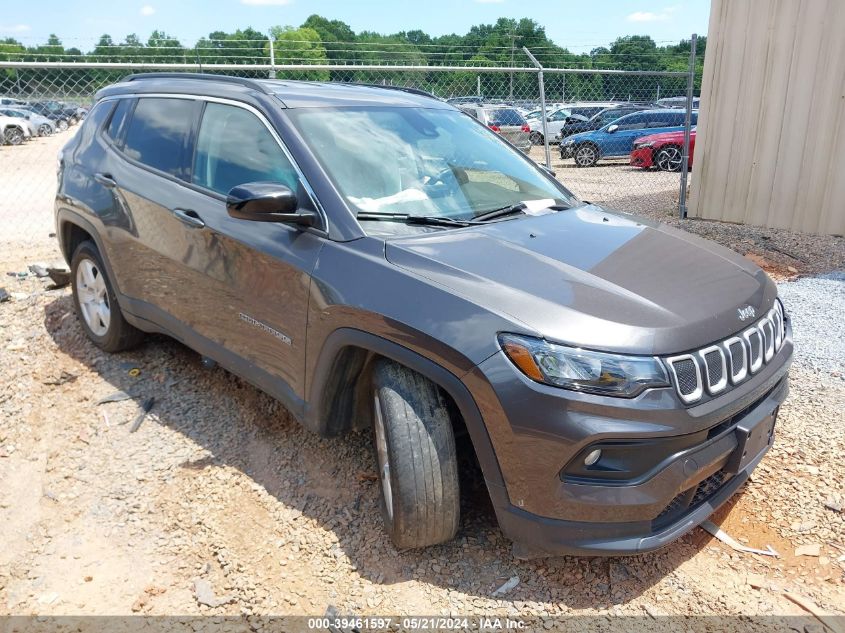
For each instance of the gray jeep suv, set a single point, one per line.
(376, 259)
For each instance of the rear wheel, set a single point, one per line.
(536, 138)
(586, 155)
(415, 453)
(44, 130)
(13, 136)
(96, 304)
(669, 158)
(62, 125)
(73, 120)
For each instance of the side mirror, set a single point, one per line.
(612, 128)
(267, 202)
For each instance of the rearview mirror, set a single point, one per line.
(612, 128)
(267, 202)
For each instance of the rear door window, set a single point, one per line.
(632, 122)
(234, 147)
(158, 133)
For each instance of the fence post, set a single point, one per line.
(272, 59)
(682, 198)
(542, 104)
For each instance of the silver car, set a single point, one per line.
(38, 125)
(505, 121)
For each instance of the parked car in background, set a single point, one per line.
(60, 118)
(664, 151)
(14, 130)
(617, 138)
(599, 120)
(507, 122)
(57, 108)
(9, 101)
(566, 114)
(43, 125)
(23, 117)
(676, 102)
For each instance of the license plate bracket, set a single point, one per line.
(751, 440)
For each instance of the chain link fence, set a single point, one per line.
(570, 96)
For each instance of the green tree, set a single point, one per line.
(299, 46)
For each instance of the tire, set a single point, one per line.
(44, 130)
(669, 158)
(415, 453)
(93, 291)
(73, 120)
(536, 138)
(61, 125)
(13, 136)
(586, 155)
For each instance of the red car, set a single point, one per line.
(663, 151)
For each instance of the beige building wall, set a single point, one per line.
(770, 145)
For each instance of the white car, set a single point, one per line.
(25, 119)
(14, 130)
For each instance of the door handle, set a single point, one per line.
(188, 217)
(106, 180)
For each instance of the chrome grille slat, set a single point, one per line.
(731, 361)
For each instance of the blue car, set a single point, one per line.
(617, 137)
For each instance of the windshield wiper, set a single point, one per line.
(423, 220)
(511, 209)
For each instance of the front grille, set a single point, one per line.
(735, 358)
(690, 499)
(737, 354)
(687, 378)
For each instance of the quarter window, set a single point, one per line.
(234, 147)
(158, 133)
(117, 118)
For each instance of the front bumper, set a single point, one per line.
(641, 157)
(545, 511)
(680, 497)
(566, 151)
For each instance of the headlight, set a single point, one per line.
(583, 370)
(569, 141)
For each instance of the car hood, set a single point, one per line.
(582, 136)
(664, 137)
(594, 279)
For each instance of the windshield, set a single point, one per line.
(418, 161)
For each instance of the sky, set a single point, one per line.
(578, 25)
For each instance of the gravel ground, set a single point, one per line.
(219, 489)
(818, 300)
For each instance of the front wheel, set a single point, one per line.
(669, 158)
(13, 136)
(415, 453)
(62, 125)
(586, 155)
(44, 130)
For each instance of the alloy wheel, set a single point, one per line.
(586, 156)
(14, 136)
(669, 159)
(93, 297)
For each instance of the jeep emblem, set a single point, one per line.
(748, 312)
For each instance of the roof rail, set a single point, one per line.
(413, 91)
(243, 81)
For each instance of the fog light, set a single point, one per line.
(592, 457)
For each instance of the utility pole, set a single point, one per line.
(272, 58)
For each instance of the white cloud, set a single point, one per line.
(147, 10)
(15, 28)
(266, 3)
(651, 16)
